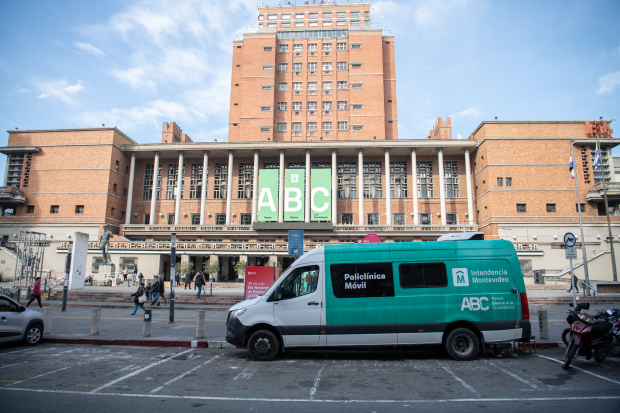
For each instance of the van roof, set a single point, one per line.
(420, 246)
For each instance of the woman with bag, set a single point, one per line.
(139, 297)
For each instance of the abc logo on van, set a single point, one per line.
(460, 277)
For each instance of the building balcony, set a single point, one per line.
(11, 196)
(596, 194)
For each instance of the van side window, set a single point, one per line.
(301, 281)
(362, 280)
(423, 275)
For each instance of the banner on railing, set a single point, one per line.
(294, 194)
(268, 195)
(320, 195)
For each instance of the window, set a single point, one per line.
(299, 24)
(327, 47)
(147, 219)
(508, 181)
(356, 85)
(286, 17)
(341, 23)
(312, 126)
(298, 48)
(297, 106)
(321, 165)
(112, 211)
(451, 178)
(356, 65)
(342, 105)
(311, 66)
(398, 219)
(245, 181)
(282, 106)
(356, 45)
(327, 65)
(398, 179)
(147, 187)
(114, 188)
(264, 129)
(342, 65)
(583, 208)
(281, 126)
(79, 209)
(283, 67)
(267, 48)
(342, 84)
(286, 25)
(312, 47)
(362, 280)
(282, 87)
(357, 127)
(299, 15)
(327, 105)
(346, 219)
(372, 180)
(265, 108)
(313, 15)
(266, 87)
(195, 219)
(273, 17)
(425, 179)
(499, 181)
(30, 209)
(54, 209)
(327, 85)
(423, 275)
(220, 219)
(311, 105)
(220, 180)
(355, 14)
(267, 67)
(342, 126)
(195, 181)
(170, 219)
(271, 165)
(373, 219)
(342, 46)
(297, 86)
(301, 281)
(298, 67)
(425, 219)
(284, 48)
(327, 15)
(312, 86)
(550, 207)
(347, 180)
(171, 181)
(520, 207)
(296, 126)
(452, 219)
(327, 126)
(356, 106)
(603, 172)
(245, 219)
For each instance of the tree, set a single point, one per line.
(240, 268)
(273, 263)
(184, 267)
(211, 268)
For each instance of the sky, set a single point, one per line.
(137, 64)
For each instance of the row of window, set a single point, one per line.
(500, 181)
(314, 47)
(79, 209)
(311, 126)
(270, 25)
(313, 15)
(328, 85)
(312, 66)
(550, 207)
(313, 105)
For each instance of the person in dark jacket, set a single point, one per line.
(199, 281)
(575, 282)
(177, 279)
(188, 281)
(162, 290)
(155, 291)
(137, 300)
(36, 293)
(148, 291)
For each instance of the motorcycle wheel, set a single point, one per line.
(614, 348)
(601, 354)
(566, 337)
(570, 354)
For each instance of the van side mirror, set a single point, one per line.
(277, 295)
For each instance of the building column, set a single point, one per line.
(229, 187)
(360, 185)
(442, 189)
(243, 258)
(387, 186)
(255, 187)
(281, 189)
(414, 187)
(154, 190)
(334, 188)
(470, 202)
(203, 191)
(307, 185)
(177, 204)
(132, 170)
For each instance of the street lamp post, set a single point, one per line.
(611, 237)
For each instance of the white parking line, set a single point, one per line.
(467, 386)
(155, 390)
(585, 371)
(317, 379)
(40, 375)
(4, 367)
(522, 380)
(244, 374)
(143, 369)
(29, 351)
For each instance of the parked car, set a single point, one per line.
(17, 323)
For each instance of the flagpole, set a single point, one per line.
(583, 238)
(611, 237)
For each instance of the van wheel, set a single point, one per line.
(462, 344)
(263, 345)
(33, 335)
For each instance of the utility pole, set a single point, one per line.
(583, 238)
(611, 236)
(173, 263)
(65, 288)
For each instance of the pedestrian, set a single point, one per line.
(574, 283)
(177, 279)
(148, 291)
(141, 278)
(188, 281)
(200, 282)
(125, 272)
(139, 297)
(162, 289)
(135, 273)
(36, 293)
(193, 274)
(155, 291)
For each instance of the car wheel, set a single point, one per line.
(263, 345)
(462, 344)
(33, 335)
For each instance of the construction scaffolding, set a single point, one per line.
(29, 261)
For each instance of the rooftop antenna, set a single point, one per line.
(496, 118)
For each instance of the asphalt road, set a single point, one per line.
(78, 378)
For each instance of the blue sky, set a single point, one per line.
(136, 64)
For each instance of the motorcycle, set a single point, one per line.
(588, 337)
(614, 317)
(572, 317)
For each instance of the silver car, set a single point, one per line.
(18, 323)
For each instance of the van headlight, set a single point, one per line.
(237, 313)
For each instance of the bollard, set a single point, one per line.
(535, 309)
(47, 320)
(146, 329)
(94, 327)
(200, 324)
(543, 325)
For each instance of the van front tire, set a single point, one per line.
(462, 344)
(263, 345)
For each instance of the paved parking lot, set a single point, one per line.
(74, 376)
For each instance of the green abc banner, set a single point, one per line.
(294, 194)
(267, 195)
(320, 195)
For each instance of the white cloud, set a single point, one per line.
(467, 112)
(59, 89)
(423, 14)
(608, 82)
(88, 48)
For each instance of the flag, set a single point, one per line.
(571, 167)
(597, 158)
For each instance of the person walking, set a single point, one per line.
(155, 291)
(162, 290)
(36, 293)
(575, 281)
(199, 281)
(139, 297)
(188, 281)
(125, 272)
(148, 291)
(135, 273)
(141, 278)
(177, 279)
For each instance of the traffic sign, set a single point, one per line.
(571, 254)
(570, 240)
(295, 243)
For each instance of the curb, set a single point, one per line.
(130, 307)
(139, 343)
